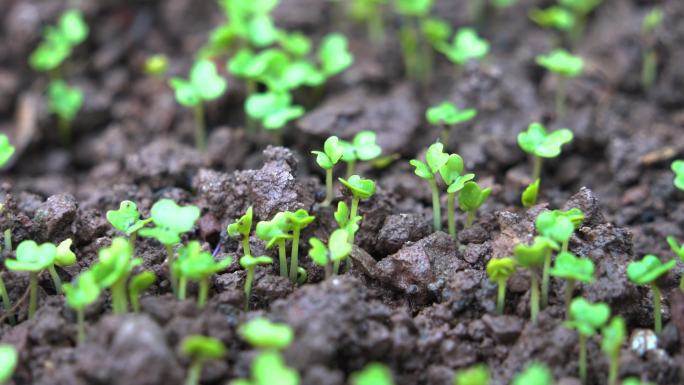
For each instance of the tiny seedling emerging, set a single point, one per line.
(34, 259)
(646, 272)
(534, 374)
(470, 200)
(436, 158)
(553, 17)
(327, 159)
(499, 270)
(65, 102)
(273, 109)
(530, 194)
(334, 54)
(337, 250)
(373, 374)
(613, 338)
(360, 189)
(264, 334)
(467, 45)
(276, 232)
(63, 257)
(298, 220)
(417, 54)
(112, 270)
(475, 375)
(200, 349)
(82, 293)
(532, 258)
(250, 263)
(566, 66)
(242, 227)
(559, 228)
(139, 283)
(6, 149)
(197, 265)
(268, 368)
(127, 219)
(635, 381)
(451, 174)
(679, 250)
(572, 269)
(205, 84)
(541, 144)
(9, 358)
(587, 319)
(649, 66)
(447, 115)
(362, 148)
(156, 65)
(58, 41)
(677, 168)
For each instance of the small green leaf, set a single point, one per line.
(262, 32)
(268, 368)
(196, 264)
(295, 43)
(530, 194)
(114, 263)
(202, 348)
(447, 113)
(273, 109)
(318, 252)
(9, 358)
(459, 183)
(83, 291)
(452, 168)
(553, 17)
(64, 101)
(652, 20)
(206, 81)
(264, 334)
(435, 157)
(186, 95)
(342, 214)
(243, 225)
(248, 261)
(575, 215)
(334, 54)
(569, 266)
(299, 218)
(436, 31)
(674, 245)
(373, 374)
(64, 256)
(678, 169)
(421, 169)
(500, 268)
(466, 45)
(534, 374)
(274, 230)
(170, 221)
(648, 269)
(475, 375)
(141, 282)
(586, 317)
(533, 255)
(6, 149)
(359, 187)
(555, 226)
(73, 27)
(413, 7)
(582, 7)
(339, 245)
(156, 65)
(32, 257)
(561, 62)
(613, 336)
(472, 196)
(125, 217)
(365, 146)
(537, 141)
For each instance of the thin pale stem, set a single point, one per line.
(80, 315)
(170, 258)
(451, 215)
(569, 289)
(564, 246)
(613, 369)
(182, 288)
(583, 358)
(649, 68)
(64, 126)
(8, 240)
(200, 129)
(246, 250)
(248, 286)
(536, 167)
(119, 300)
(203, 292)
(294, 255)
(353, 212)
(33, 294)
(328, 188)
(534, 296)
(376, 27)
(658, 318)
(501, 296)
(6, 303)
(470, 218)
(55, 279)
(194, 373)
(546, 279)
(282, 256)
(436, 208)
(351, 166)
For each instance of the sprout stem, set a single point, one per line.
(131, 240)
(351, 166)
(200, 130)
(294, 254)
(649, 68)
(171, 257)
(282, 254)
(182, 287)
(80, 315)
(564, 246)
(534, 296)
(55, 279)
(8, 240)
(64, 127)
(451, 204)
(135, 303)
(248, 286)
(656, 308)
(583, 358)
(436, 210)
(6, 300)
(376, 27)
(246, 250)
(501, 297)
(613, 369)
(569, 289)
(546, 279)
(470, 218)
(203, 292)
(328, 188)
(353, 212)
(194, 373)
(119, 300)
(33, 294)
(536, 167)
(561, 96)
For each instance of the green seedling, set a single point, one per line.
(530, 194)
(63, 257)
(581, 9)
(566, 66)
(678, 169)
(250, 263)
(156, 65)
(268, 368)
(371, 13)
(344, 221)
(558, 228)
(65, 102)
(534, 374)
(635, 381)
(205, 84)
(296, 43)
(451, 174)
(273, 109)
(436, 31)
(360, 189)
(532, 258)
(417, 53)
(9, 358)
(276, 232)
(436, 158)
(34, 259)
(572, 269)
(362, 148)
(112, 270)
(541, 144)
(6, 149)
(499, 270)
(373, 374)
(475, 375)
(327, 159)
(337, 250)
(170, 223)
(587, 319)
(266, 335)
(575, 215)
(466, 46)
(649, 65)
(679, 250)
(646, 272)
(200, 349)
(197, 265)
(613, 338)
(127, 220)
(447, 116)
(470, 200)
(334, 54)
(139, 283)
(242, 227)
(79, 295)
(554, 17)
(298, 220)
(58, 42)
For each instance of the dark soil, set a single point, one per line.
(414, 299)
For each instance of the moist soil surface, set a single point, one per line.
(413, 299)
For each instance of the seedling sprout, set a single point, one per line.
(499, 270)
(558, 228)
(334, 54)
(581, 9)
(416, 53)
(9, 358)
(587, 319)
(65, 102)
(264, 334)
(127, 220)
(6, 149)
(327, 159)
(58, 41)
(362, 148)
(566, 66)
(530, 194)
(34, 259)
(268, 368)
(436, 158)
(541, 144)
(138, 284)
(337, 250)
(470, 200)
(79, 295)
(298, 220)
(451, 174)
(678, 169)
(197, 265)
(649, 65)
(613, 338)
(572, 269)
(276, 232)
(200, 349)
(534, 374)
(635, 381)
(112, 270)
(475, 375)
(156, 65)
(467, 45)
(204, 84)
(360, 189)
(447, 116)
(553, 17)
(272, 109)
(646, 272)
(532, 258)
(249, 263)
(242, 227)
(373, 374)
(63, 257)
(679, 250)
